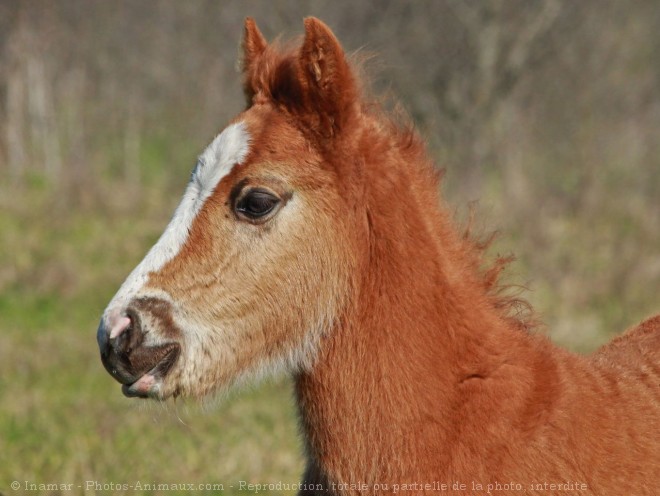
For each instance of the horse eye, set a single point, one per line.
(256, 204)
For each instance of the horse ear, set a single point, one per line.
(254, 45)
(326, 78)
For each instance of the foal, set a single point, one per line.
(310, 239)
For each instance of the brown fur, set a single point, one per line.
(411, 366)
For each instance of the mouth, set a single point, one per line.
(140, 388)
(149, 384)
(142, 371)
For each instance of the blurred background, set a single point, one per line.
(544, 113)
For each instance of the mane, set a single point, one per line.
(278, 79)
(505, 297)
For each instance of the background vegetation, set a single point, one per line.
(546, 112)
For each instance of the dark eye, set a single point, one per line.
(256, 204)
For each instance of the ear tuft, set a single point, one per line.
(254, 43)
(326, 77)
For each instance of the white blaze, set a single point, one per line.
(228, 149)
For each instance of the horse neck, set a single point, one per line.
(420, 324)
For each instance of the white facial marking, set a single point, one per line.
(228, 149)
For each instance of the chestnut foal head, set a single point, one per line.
(258, 260)
(311, 239)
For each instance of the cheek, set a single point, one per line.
(288, 279)
(314, 270)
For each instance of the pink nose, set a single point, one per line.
(120, 326)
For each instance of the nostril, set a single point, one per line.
(126, 334)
